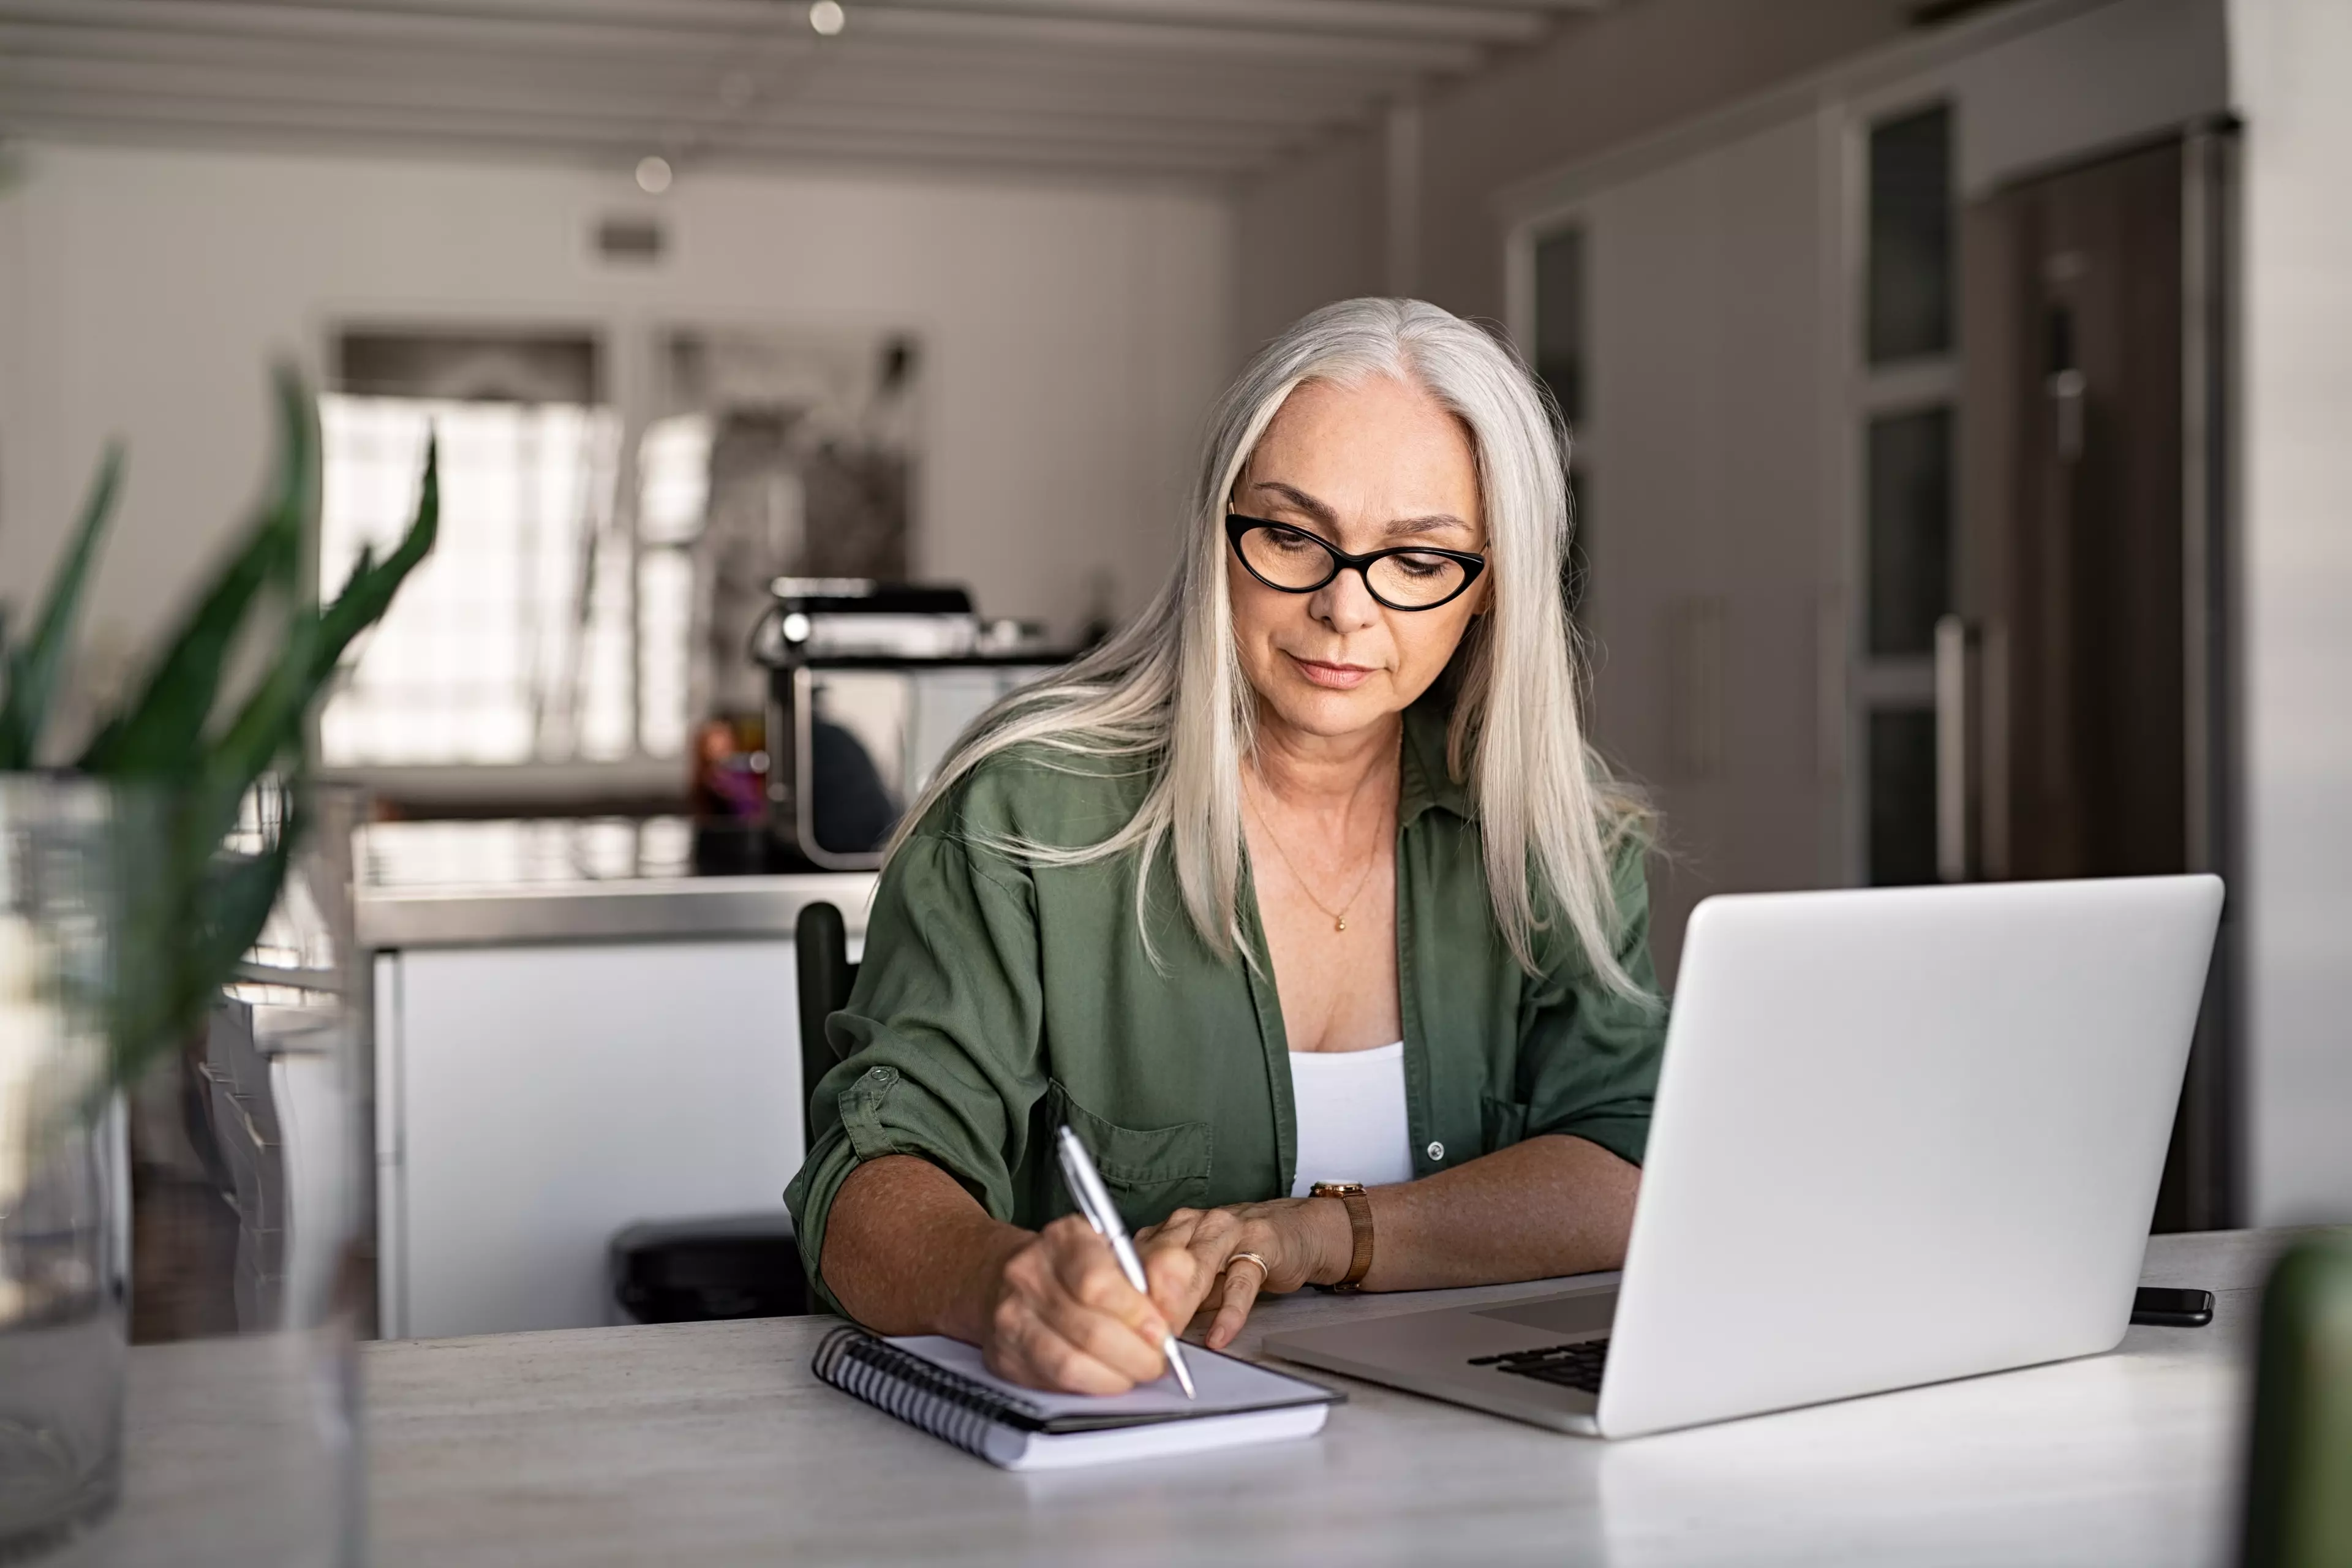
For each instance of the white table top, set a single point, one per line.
(712, 1443)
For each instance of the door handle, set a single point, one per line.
(2067, 390)
(1956, 643)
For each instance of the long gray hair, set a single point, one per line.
(1169, 693)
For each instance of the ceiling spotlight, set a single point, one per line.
(827, 17)
(653, 175)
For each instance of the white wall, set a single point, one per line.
(1309, 233)
(1073, 335)
(2119, 72)
(1710, 516)
(2291, 61)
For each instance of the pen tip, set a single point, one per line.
(1183, 1373)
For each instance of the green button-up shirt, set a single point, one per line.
(997, 999)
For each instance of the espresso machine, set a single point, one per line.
(869, 685)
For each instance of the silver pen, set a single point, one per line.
(1087, 1190)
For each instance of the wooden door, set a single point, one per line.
(2085, 582)
(2072, 551)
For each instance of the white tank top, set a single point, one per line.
(1351, 1120)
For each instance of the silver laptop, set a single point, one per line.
(1900, 1136)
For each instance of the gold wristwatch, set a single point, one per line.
(1360, 1225)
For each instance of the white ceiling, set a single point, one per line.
(1198, 89)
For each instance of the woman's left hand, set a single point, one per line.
(1195, 1257)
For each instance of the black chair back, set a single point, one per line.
(820, 953)
(742, 1265)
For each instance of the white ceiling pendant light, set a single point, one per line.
(653, 175)
(827, 17)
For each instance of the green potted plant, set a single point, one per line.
(128, 899)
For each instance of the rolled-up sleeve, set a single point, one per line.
(1588, 1057)
(940, 1042)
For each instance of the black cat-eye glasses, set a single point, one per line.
(1406, 577)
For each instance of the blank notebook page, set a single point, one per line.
(1225, 1383)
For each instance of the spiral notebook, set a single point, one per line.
(941, 1385)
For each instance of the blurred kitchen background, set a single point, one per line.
(1959, 394)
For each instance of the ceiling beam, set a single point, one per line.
(1191, 89)
(951, 162)
(1470, 23)
(898, 73)
(661, 117)
(1088, 33)
(345, 27)
(1550, 7)
(34, 108)
(1475, 21)
(917, 75)
(364, 27)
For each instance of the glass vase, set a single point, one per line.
(229, 1166)
(64, 1209)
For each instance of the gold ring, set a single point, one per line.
(1266, 1270)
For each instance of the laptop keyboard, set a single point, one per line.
(1571, 1366)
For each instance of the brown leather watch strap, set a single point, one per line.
(1360, 1225)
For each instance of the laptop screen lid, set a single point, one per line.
(1903, 1135)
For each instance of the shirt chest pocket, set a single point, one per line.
(1150, 1171)
(1503, 1122)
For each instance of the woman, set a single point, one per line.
(1307, 877)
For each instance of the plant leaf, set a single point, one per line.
(194, 910)
(267, 728)
(271, 724)
(187, 928)
(33, 668)
(238, 894)
(158, 732)
(368, 592)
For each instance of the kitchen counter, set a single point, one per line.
(512, 883)
(587, 998)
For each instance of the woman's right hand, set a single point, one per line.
(1063, 1317)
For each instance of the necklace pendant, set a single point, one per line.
(1340, 924)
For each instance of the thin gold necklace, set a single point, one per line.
(1339, 915)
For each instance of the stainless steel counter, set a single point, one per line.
(487, 884)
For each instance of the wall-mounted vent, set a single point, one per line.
(1936, 13)
(630, 241)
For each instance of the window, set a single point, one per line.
(509, 644)
(672, 490)
(604, 553)
(1559, 364)
(1559, 319)
(1905, 422)
(1909, 292)
(1908, 509)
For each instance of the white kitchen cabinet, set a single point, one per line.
(534, 1099)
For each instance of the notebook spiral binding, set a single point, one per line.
(950, 1408)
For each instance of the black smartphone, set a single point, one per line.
(2169, 1308)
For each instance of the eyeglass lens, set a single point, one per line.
(1300, 562)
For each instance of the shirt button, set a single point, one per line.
(880, 1075)
(1436, 1149)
